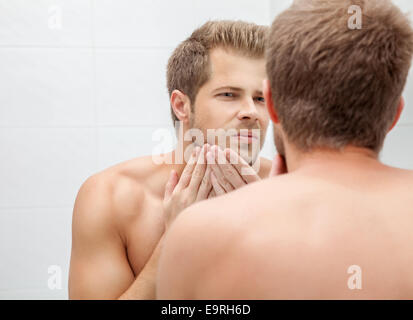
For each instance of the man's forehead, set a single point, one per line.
(226, 60)
(232, 69)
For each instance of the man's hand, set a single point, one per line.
(194, 185)
(229, 170)
(221, 172)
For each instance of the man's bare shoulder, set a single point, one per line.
(194, 237)
(120, 189)
(243, 203)
(215, 227)
(239, 229)
(401, 175)
(234, 232)
(233, 213)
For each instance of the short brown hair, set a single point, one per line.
(189, 67)
(333, 86)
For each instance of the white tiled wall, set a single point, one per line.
(87, 95)
(406, 121)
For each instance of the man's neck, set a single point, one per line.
(321, 159)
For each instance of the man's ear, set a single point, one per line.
(399, 112)
(181, 105)
(269, 102)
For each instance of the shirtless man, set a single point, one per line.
(120, 215)
(339, 224)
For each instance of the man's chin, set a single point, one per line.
(248, 151)
(248, 156)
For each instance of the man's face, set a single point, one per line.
(232, 99)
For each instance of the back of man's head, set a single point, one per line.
(332, 85)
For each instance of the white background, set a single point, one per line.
(77, 99)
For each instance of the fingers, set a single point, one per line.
(219, 176)
(245, 171)
(211, 193)
(278, 166)
(205, 188)
(228, 170)
(217, 187)
(222, 172)
(189, 168)
(199, 170)
(171, 184)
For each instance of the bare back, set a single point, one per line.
(306, 233)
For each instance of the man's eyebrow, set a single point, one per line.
(256, 92)
(228, 88)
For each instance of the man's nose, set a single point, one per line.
(248, 110)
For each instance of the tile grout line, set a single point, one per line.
(94, 80)
(34, 207)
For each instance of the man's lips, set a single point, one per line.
(246, 135)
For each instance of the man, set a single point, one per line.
(339, 224)
(121, 214)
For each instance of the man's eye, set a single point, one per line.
(227, 94)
